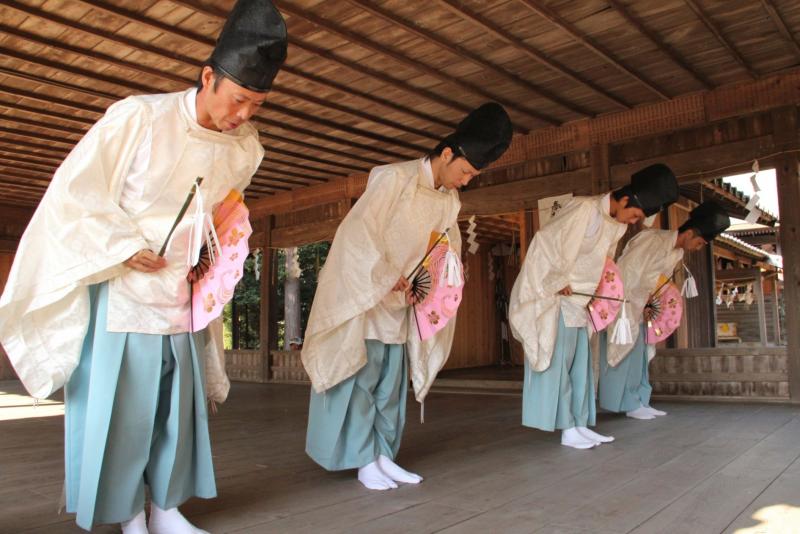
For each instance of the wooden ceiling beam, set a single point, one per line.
(320, 148)
(33, 180)
(351, 65)
(342, 88)
(46, 112)
(551, 16)
(41, 136)
(75, 131)
(712, 27)
(667, 50)
(19, 168)
(307, 117)
(331, 104)
(295, 165)
(462, 53)
(49, 113)
(255, 119)
(278, 88)
(780, 24)
(315, 134)
(16, 143)
(45, 125)
(26, 163)
(278, 178)
(378, 48)
(45, 98)
(265, 186)
(306, 157)
(53, 83)
(380, 76)
(277, 174)
(658, 119)
(44, 158)
(462, 11)
(110, 60)
(19, 199)
(277, 166)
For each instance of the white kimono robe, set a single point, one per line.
(650, 254)
(80, 234)
(554, 261)
(381, 239)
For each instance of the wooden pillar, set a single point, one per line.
(785, 125)
(758, 286)
(526, 230)
(268, 327)
(235, 328)
(709, 295)
(788, 199)
(776, 311)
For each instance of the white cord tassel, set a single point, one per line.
(689, 289)
(202, 230)
(422, 412)
(622, 330)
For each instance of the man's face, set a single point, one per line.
(227, 106)
(628, 215)
(456, 172)
(693, 242)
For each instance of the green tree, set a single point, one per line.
(241, 317)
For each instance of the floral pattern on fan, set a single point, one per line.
(605, 305)
(216, 288)
(437, 301)
(665, 311)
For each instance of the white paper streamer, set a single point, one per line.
(471, 235)
(202, 230)
(753, 215)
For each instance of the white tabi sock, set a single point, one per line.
(170, 522)
(640, 413)
(572, 438)
(594, 436)
(397, 473)
(653, 411)
(373, 478)
(137, 525)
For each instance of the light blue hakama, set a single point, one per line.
(562, 396)
(357, 420)
(626, 387)
(135, 415)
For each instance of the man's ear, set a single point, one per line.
(207, 77)
(623, 202)
(446, 155)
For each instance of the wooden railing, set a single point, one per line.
(252, 366)
(740, 373)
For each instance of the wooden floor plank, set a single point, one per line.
(483, 471)
(718, 500)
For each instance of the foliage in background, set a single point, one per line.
(247, 297)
